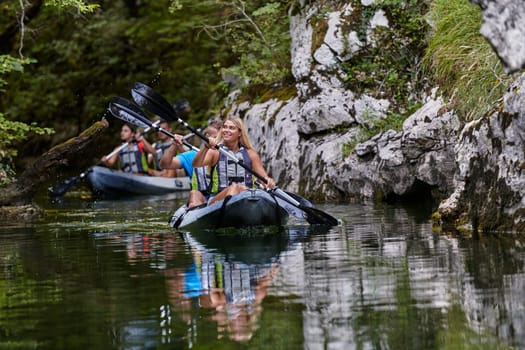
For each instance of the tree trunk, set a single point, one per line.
(21, 192)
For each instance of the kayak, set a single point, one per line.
(248, 248)
(108, 182)
(252, 207)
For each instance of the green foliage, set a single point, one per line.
(258, 35)
(394, 121)
(388, 66)
(12, 132)
(461, 60)
(11, 64)
(79, 5)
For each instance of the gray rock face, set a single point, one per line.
(504, 27)
(399, 163)
(478, 166)
(490, 182)
(301, 140)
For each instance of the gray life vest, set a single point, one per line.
(160, 147)
(131, 160)
(228, 171)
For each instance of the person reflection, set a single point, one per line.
(233, 290)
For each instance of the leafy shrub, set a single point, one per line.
(12, 132)
(389, 66)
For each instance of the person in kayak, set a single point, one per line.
(131, 159)
(201, 182)
(162, 144)
(178, 161)
(228, 177)
(200, 176)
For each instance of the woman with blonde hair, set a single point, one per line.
(229, 178)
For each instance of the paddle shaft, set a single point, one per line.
(130, 113)
(184, 142)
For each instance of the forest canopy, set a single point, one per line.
(63, 60)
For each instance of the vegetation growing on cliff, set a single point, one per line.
(410, 56)
(460, 60)
(388, 65)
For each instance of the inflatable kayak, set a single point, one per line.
(251, 207)
(108, 182)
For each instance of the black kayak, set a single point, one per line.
(108, 182)
(253, 207)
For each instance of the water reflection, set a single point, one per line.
(370, 284)
(84, 277)
(230, 276)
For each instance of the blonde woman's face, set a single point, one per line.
(230, 131)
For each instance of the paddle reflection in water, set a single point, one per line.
(229, 276)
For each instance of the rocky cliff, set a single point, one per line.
(477, 166)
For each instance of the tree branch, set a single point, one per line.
(8, 36)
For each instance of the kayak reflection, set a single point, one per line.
(230, 276)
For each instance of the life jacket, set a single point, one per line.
(227, 171)
(160, 147)
(201, 180)
(132, 159)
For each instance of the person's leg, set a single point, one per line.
(231, 190)
(195, 198)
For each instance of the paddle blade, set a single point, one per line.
(146, 97)
(290, 208)
(181, 106)
(312, 215)
(315, 216)
(61, 189)
(128, 112)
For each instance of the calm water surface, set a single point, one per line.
(112, 275)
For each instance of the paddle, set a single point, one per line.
(129, 112)
(155, 103)
(63, 187)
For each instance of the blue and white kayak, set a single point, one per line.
(108, 182)
(253, 207)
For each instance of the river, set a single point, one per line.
(113, 275)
